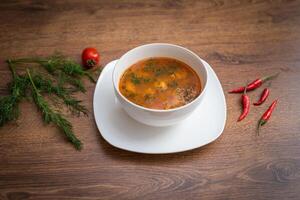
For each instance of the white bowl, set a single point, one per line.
(154, 117)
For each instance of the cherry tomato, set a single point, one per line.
(90, 57)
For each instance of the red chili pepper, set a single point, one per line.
(246, 105)
(266, 116)
(263, 97)
(254, 84)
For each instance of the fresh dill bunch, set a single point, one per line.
(55, 76)
(51, 116)
(9, 105)
(46, 85)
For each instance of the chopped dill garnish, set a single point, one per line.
(134, 79)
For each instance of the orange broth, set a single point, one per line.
(160, 83)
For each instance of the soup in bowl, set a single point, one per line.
(159, 84)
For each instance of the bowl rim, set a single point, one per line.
(160, 110)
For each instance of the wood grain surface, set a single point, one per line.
(242, 40)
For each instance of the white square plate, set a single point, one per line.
(203, 126)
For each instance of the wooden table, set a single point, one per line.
(242, 40)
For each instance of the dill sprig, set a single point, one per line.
(9, 105)
(50, 116)
(59, 63)
(46, 85)
(77, 83)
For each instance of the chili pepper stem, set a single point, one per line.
(245, 90)
(260, 124)
(267, 78)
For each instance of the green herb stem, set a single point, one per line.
(9, 105)
(50, 116)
